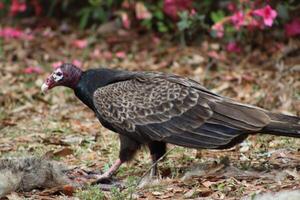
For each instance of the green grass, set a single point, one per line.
(90, 193)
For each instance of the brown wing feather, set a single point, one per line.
(176, 110)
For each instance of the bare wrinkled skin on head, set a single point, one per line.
(66, 75)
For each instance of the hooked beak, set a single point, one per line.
(48, 84)
(44, 88)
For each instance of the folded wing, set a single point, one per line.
(175, 110)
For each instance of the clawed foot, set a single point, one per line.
(103, 179)
(106, 182)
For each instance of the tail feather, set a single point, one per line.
(283, 125)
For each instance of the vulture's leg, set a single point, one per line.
(157, 150)
(128, 147)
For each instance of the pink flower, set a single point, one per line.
(292, 28)
(173, 7)
(155, 40)
(1, 5)
(81, 44)
(219, 29)
(233, 47)
(107, 55)
(238, 19)
(9, 32)
(96, 53)
(215, 55)
(16, 7)
(125, 20)
(267, 13)
(231, 7)
(121, 54)
(126, 4)
(141, 11)
(77, 63)
(56, 64)
(193, 12)
(33, 70)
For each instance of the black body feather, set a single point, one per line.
(155, 109)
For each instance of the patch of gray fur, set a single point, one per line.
(282, 195)
(25, 174)
(148, 181)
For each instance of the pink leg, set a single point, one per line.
(127, 149)
(111, 171)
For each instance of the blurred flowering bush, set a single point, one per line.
(15, 7)
(229, 20)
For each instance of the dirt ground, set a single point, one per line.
(31, 123)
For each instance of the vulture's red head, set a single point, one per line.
(66, 75)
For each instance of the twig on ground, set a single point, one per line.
(148, 170)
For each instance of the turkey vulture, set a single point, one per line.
(153, 108)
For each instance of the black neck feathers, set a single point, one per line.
(93, 79)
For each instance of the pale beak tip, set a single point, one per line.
(44, 88)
